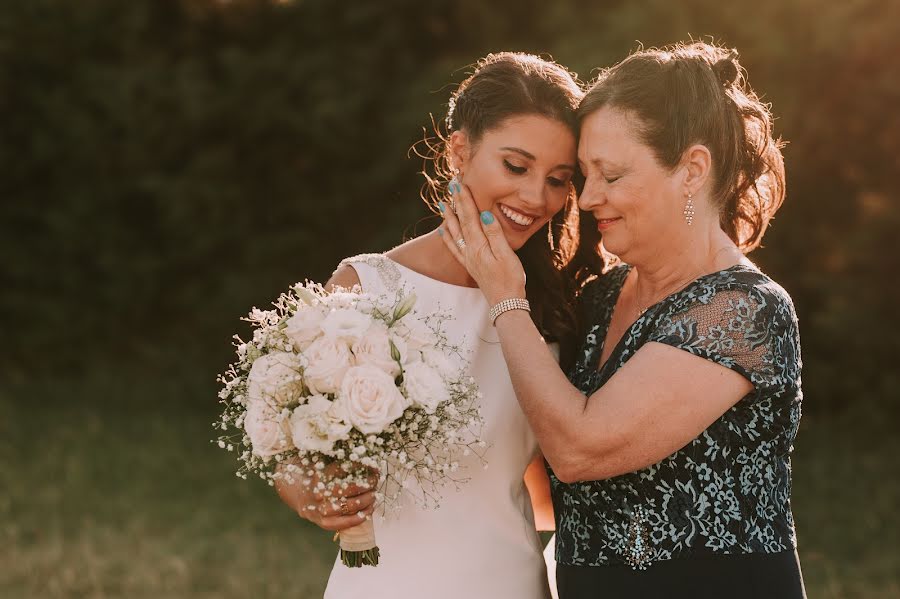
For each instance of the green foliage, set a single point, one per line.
(166, 164)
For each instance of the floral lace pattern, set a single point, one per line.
(728, 490)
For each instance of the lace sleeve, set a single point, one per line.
(752, 331)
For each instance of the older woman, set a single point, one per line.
(668, 445)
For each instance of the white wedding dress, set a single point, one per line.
(481, 542)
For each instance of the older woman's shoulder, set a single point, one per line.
(740, 318)
(741, 297)
(749, 279)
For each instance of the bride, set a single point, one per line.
(511, 136)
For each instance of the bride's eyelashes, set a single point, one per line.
(554, 182)
(520, 170)
(517, 170)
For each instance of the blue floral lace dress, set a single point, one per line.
(714, 518)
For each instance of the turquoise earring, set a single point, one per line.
(454, 187)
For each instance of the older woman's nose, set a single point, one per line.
(591, 196)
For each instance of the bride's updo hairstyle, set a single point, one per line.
(698, 94)
(503, 86)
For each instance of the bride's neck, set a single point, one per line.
(429, 256)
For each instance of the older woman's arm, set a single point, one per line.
(653, 406)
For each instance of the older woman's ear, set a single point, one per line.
(697, 166)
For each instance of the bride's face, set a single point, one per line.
(520, 171)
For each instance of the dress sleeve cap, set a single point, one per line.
(751, 330)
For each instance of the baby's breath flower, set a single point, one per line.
(416, 450)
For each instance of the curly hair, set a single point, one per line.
(502, 86)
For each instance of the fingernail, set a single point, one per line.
(440, 230)
(441, 207)
(487, 217)
(454, 187)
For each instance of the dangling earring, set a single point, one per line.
(689, 209)
(454, 188)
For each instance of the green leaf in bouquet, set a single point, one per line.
(395, 353)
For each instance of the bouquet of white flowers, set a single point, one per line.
(356, 384)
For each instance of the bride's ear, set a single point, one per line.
(458, 150)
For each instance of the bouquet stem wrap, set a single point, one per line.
(358, 546)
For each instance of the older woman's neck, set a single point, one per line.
(686, 257)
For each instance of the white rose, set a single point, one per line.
(407, 355)
(450, 366)
(339, 419)
(267, 429)
(346, 324)
(418, 335)
(316, 425)
(275, 379)
(327, 361)
(425, 387)
(364, 303)
(374, 348)
(371, 399)
(304, 327)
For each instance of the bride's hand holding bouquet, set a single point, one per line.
(349, 399)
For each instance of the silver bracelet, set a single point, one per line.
(515, 303)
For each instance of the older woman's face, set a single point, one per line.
(635, 200)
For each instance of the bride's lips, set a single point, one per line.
(606, 223)
(517, 220)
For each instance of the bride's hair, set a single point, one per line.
(502, 86)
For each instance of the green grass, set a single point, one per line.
(110, 488)
(846, 500)
(116, 493)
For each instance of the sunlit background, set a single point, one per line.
(167, 164)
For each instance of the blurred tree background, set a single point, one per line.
(167, 164)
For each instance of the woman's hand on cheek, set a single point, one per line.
(484, 250)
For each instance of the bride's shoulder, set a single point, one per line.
(382, 269)
(366, 270)
(370, 259)
(344, 276)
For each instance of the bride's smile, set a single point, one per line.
(520, 170)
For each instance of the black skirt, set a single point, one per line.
(747, 576)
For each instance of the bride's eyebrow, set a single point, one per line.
(531, 156)
(527, 155)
